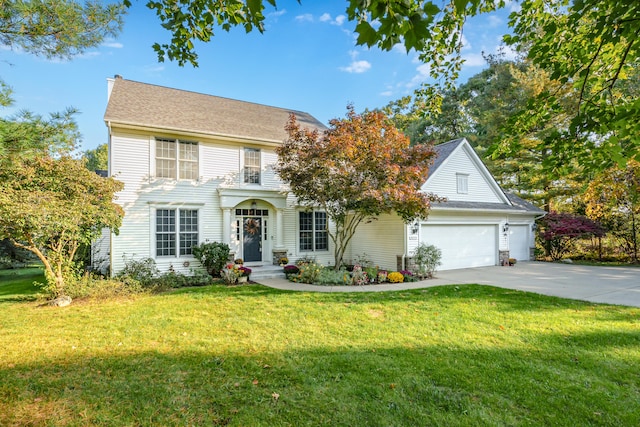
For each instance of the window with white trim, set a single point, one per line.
(314, 235)
(462, 183)
(176, 159)
(251, 166)
(176, 231)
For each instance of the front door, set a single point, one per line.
(252, 239)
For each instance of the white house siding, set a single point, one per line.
(381, 240)
(220, 163)
(291, 236)
(480, 188)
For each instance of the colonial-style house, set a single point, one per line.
(199, 168)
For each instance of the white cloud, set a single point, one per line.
(386, 93)
(465, 43)
(474, 60)
(495, 21)
(307, 17)
(112, 44)
(357, 67)
(423, 74)
(325, 17)
(276, 14)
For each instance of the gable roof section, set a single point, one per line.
(446, 151)
(141, 105)
(511, 202)
(443, 151)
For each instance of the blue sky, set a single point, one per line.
(306, 60)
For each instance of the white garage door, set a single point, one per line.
(519, 242)
(463, 246)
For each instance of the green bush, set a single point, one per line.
(427, 259)
(331, 277)
(143, 271)
(96, 287)
(308, 273)
(213, 256)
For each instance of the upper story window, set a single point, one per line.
(176, 159)
(314, 235)
(462, 183)
(251, 166)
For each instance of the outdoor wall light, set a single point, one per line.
(414, 227)
(534, 226)
(254, 205)
(506, 227)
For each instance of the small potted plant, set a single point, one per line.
(512, 261)
(245, 272)
(283, 261)
(239, 261)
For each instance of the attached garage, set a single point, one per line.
(463, 245)
(519, 242)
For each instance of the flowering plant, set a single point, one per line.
(382, 276)
(244, 271)
(239, 261)
(284, 260)
(396, 277)
(230, 273)
(358, 276)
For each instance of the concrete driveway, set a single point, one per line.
(612, 285)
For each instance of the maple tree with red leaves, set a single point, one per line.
(359, 168)
(559, 231)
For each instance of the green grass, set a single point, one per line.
(18, 284)
(254, 356)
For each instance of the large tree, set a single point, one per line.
(60, 28)
(590, 45)
(50, 206)
(361, 167)
(613, 199)
(97, 158)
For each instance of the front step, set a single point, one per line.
(266, 272)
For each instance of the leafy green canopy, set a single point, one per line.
(361, 167)
(60, 28)
(51, 206)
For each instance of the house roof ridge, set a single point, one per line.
(164, 108)
(215, 96)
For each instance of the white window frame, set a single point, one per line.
(177, 231)
(462, 183)
(315, 232)
(250, 166)
(178, 158)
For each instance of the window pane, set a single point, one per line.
(306, 231)
(188, 160)
(321, 235)
(188, 231)
(165, 232)
(251, 166)
(165, 158)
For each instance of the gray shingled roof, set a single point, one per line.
(454, 204)
(443, 151)
(141, 104)
(523, 204)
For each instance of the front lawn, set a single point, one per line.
(254, 356)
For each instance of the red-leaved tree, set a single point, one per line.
(359, 168)
(559, 231)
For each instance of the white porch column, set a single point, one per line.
(279, 229)
(226, 225)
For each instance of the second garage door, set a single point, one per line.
(463, 246)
